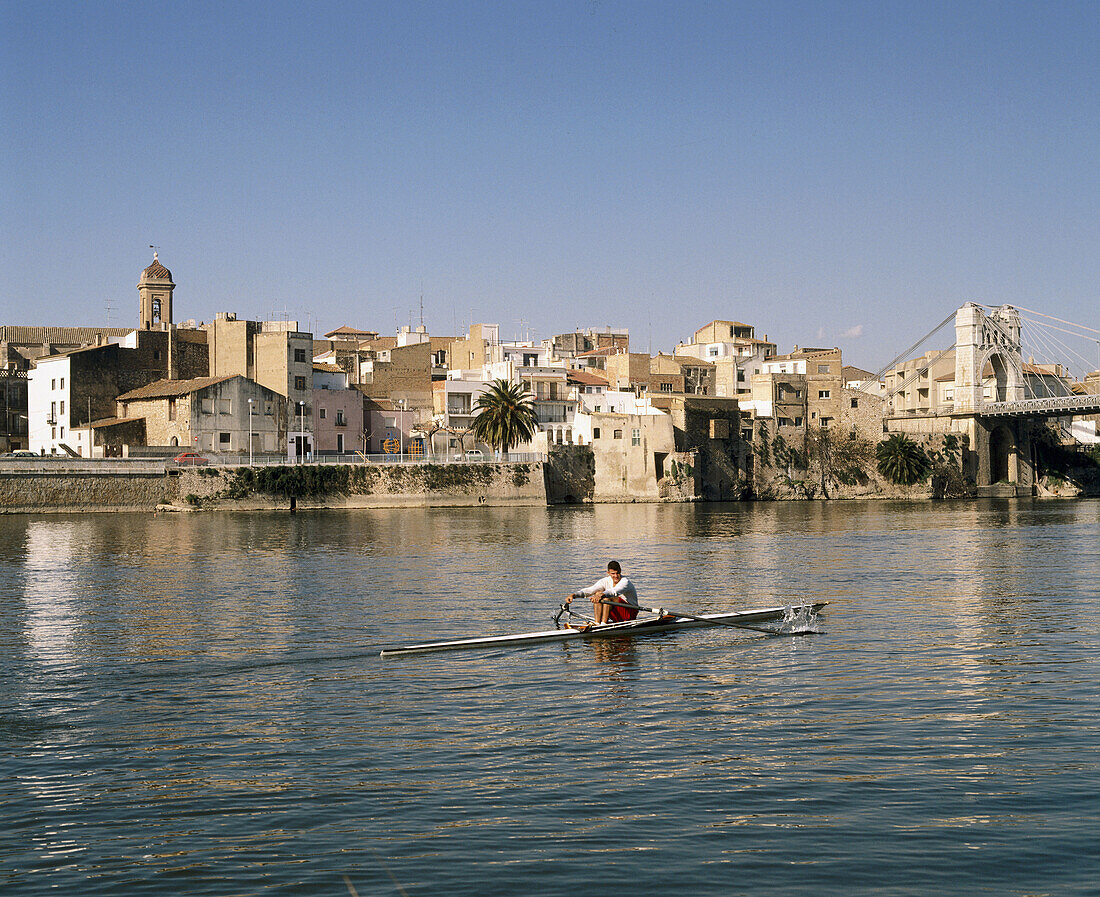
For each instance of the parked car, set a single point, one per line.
(475, 455)
(22, 453)
(191, 459)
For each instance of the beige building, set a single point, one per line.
(401, 375)
(209, 414)
(474, 351)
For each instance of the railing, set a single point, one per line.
(58, 464)
(1068, 404)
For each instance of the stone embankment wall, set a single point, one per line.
(364, 486)
(273, 488)
(60, 492)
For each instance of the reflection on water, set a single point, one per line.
(198, 699)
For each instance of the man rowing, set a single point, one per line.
(614, 598)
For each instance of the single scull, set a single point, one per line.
(610, 630)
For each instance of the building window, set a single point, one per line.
(207, 406)
(62, 432)
(156, 355)
(299, 383)
(595, 432)
(618, 434)
(300, 356)
(666, 387)
(223, 439)
(635, 437)
(823, 368)
(389, 422)
(171, 409)
(341, 421)
(740, 376)
(225, 406)
(53, 432)
(53, 384)
(855, 403)
(62, 406)
(323, 412)
(269, 409)
(823, 393)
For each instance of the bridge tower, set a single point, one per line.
(982, 340)
(987, 352)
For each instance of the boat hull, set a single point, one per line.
(609, 630)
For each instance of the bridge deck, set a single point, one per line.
(1058, 406)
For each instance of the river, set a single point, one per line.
(194, 703)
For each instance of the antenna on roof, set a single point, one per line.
(421, 303)
(107, 305)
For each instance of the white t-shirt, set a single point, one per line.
(625, 590)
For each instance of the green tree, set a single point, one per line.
(505, 415)
(902, 461)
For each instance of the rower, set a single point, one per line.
(616, 588)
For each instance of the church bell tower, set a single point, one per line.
(155, 291)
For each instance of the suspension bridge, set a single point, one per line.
(980, 387)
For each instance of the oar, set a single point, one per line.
(660, 612)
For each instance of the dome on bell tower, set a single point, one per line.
(156, 271)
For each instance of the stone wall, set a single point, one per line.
(35, 492)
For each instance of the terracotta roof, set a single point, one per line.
(851, 372)
(603, 350)
(585, 378)
(110, 422)
(345, 330)
(156, 271)
(65, 336)
(328, 368)
(164, 389)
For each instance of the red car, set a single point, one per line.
(191, 459)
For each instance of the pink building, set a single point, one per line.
(337, 412)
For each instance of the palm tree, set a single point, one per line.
(902, 461)
(505, 415)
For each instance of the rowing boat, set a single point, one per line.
(614, 630)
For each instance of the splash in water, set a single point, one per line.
(800, 618)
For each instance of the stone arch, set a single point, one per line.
(1007, 375)
(1002, 444)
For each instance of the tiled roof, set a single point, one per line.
(156, 271)
(585, 378)
(163, 389)
(63, 336)
(111, 421)
(351, 331)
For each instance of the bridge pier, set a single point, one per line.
(1003, 455)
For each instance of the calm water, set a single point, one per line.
(194, 704)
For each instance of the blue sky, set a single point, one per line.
(835, 174)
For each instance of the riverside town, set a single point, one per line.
(241, 413)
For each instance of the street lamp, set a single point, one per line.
(250, 432)
(302, 431)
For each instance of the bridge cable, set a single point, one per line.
(877, 377)
(1032, 311)
(1046, 328)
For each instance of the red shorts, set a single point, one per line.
(620, 613)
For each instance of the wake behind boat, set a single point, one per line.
(669, 621)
